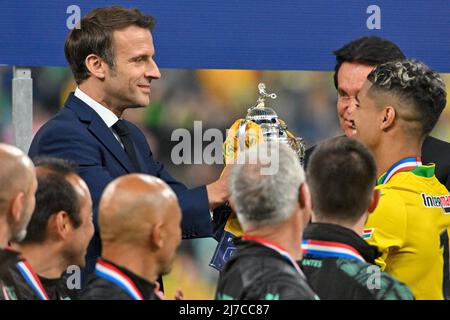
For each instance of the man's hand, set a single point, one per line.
(218, 192)
(178, 294)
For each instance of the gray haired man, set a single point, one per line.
(272, 202)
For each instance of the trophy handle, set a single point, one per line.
(241, 135)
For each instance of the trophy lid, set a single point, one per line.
(260, 113)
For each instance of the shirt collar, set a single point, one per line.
(107, 115)
(144, 286)
(340, 234)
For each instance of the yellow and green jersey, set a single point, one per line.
(411, 219)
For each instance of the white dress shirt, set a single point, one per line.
(107, 115)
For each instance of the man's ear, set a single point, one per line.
(59, 224)
(373, 203)
(17, 205)
(389, 116)
(156, 236)
(232, 203)
(304, 200)
(96, 66)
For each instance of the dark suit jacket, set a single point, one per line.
(433, 150)
(79, 134)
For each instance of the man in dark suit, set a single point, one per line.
(111, 58)
(354, 61)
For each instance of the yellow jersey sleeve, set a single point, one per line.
(389, 222)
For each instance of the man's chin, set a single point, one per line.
(350, 132)
(138, 105)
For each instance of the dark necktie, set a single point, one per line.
(125, 136)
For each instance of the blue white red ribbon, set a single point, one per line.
(32, 279)
(5, 293)
(403, 165)
(277, 248)
(111, 273)
(329, 249)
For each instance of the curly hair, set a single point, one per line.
(418, 85)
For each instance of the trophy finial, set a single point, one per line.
(263, 95)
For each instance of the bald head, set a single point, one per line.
(131, 205)
(17, 187)
(16, 170)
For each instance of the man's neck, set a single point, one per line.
(356, 227)
(394, 150)
(99, 96)
(283, 237)
(45, 260)
(129, 257)
(4, 233)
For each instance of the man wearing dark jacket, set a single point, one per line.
(60, 228)
(337, 261)
(272, 203)
(111, 57)
(140, 221)
(17, 188)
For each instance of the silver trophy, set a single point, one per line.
(271, 126)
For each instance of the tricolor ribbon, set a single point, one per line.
(277, 248)
(329, 249)
(403, 165)
(32, 279)
(5, 293)
(111, 273)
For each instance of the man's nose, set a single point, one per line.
(153, 71)
(351, 107)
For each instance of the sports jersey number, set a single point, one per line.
(445, 247)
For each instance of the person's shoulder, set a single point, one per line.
(436, 151)
(432, 142)
(62, 124)
(391, 198)
(287, 286)
(380, 285)
(101, 289)
(390, 288)
(390, 215)
(287, 283)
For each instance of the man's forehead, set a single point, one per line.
(132, 35)
(351, 76)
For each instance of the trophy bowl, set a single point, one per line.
(273, 128)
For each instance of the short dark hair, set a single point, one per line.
(369, 50)
(341, 175)
(95, 36)
(54, 193)
(414, 83)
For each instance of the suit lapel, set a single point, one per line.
(99, 130)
